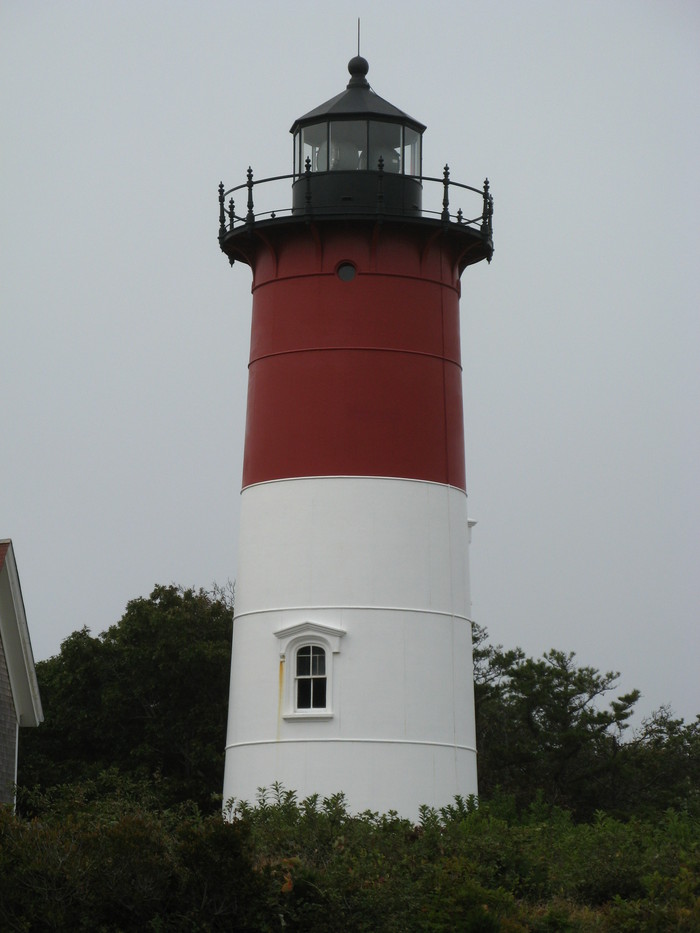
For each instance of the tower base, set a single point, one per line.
(373, 571)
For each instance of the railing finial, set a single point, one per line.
(380, 185)
(307, 189)
(250, 216)
(222, 214)
(487, 216)
(446, 197)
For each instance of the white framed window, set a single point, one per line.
(310, 681)
(307, 650)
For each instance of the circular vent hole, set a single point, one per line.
(346, 271)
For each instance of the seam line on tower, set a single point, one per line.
(371, 272)
(432, 356)
(399, 479)
(327, 741)
(433, 612)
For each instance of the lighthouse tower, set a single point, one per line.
(352, 655)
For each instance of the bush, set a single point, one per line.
(104, 857)
(116, 866)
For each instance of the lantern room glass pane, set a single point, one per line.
(385, 143)
(411, 152)
(314, 146)
(348, 145)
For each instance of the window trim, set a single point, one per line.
(300, 635)
(314, 680)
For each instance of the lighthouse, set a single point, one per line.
(352, 653)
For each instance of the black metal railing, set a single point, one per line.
(230, 218)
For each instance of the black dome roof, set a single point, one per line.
(357, 100)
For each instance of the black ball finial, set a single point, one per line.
(358, 68)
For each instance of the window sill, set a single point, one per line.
(312, 714)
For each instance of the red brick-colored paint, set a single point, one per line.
(358, 377)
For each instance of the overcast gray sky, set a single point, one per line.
(124, 334)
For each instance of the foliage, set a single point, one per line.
(579, 826)
(148, 697)
(115, 865)
(469, 867)
(108, 860)
(661, 767)
(542, 731)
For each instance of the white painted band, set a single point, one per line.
(354, 541)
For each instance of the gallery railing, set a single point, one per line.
(232, 217)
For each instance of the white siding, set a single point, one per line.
(385, 562)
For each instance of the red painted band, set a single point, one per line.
(359, 377)
(348, 413)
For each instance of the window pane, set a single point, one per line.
(303, 662)
(348, 145)
(318, 666)
(385, 141)
(411, 152)
(319, 693)
(304, 694)
(314, 145)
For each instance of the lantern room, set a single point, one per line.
(345, 143)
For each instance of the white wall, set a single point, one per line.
(382, 563)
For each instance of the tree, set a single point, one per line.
(541, 728)
(148, 696)
(661, 767)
